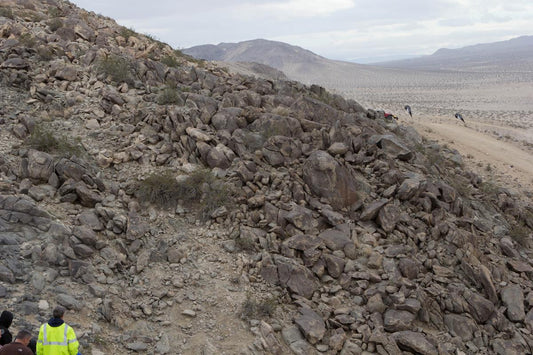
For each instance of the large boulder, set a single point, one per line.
(513, 298)
(287, 273)
(414, 342)
(40, 165)
(311, 325)
(392, 146)
(328, 179)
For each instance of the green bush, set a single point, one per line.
(27, 40)
(169, 96)
(170, 61)
(127, 33)
(116, 67)
(46, 139)
(520, 234)
(55, 24)
(55, 12)
(199, 189)
(6, 12)
(258, 309)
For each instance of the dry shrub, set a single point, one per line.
(46, 139)
(258, 309)
(199, 189)
(116, 67)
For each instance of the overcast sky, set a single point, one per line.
(336, 29)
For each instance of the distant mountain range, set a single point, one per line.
(512, 55)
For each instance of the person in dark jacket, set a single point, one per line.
(6, 318)
(19, 346)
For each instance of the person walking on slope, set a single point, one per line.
(6, 318)
(56, 337)
(19, 346)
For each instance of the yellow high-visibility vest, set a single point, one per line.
(57, 340)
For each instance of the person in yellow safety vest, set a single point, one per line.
(56, 337)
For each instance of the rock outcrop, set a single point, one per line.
(162, 198)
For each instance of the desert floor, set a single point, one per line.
(497, 139)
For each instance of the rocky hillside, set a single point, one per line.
(175, 208)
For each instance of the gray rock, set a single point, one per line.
(302, 218)
(371, 211)
(293, 337)
(327, 178)
(414, 342)
(408, 268)
(68, 301)
(409, 189)
(88, 197)
(392, 146)
(513, 298)
(460, 326)
(85, 235)
(395, 320)
(90, 219)
(6, 275)
(163, 345)
(137, 346)
(334, 264)
(40, 165)
(388, 216)
(335, 239)
(311, 325)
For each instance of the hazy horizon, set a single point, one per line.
(337, 29)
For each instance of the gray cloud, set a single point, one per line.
(338, 29)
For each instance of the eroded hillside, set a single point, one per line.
(175, 208)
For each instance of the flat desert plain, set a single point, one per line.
(496, 139)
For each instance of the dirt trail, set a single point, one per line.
(513, 165)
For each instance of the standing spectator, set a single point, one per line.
(6, 318)
(19, 346)
(56, 337)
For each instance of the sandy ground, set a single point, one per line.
(501, 161)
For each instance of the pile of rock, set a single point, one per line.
(371, 238)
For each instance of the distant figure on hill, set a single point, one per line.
(390, 116)
(459, 117)
(19, 346)
(408, 109)
(6, 318)
(56, 337)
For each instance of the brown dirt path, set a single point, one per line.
(512, 165)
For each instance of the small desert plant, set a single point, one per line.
(488, 167)
(160, 188)
(55, 12)
(27, 40)
(462, 187)
(118, 68)
(169, 96)
(245, 243)
(489, 189)
(170, 61)
(258, 309)
(48, 140)
(127, 32)
(6, 12)
(281, 111)
(55, 24)
(520, 234)
(200, 188)
(45, 53)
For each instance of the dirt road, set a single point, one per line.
(492, 158)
